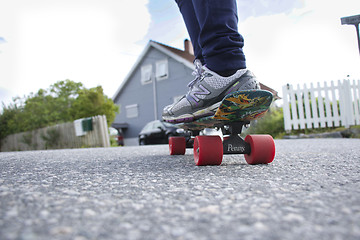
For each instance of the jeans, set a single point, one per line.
(212, 26)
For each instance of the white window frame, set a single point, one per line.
(146, 72)
(162, 69)
(132, 111)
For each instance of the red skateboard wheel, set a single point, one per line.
(262, 149)
(177, 145)
(208, 150)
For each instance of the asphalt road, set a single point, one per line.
(310, 191)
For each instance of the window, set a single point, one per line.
(132, 111)
(162, 70)
(146, 72)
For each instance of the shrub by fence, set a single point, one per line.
(59, 137)
(321, 107)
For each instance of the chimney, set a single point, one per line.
(188, 47)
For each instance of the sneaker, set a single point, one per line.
(206, 92)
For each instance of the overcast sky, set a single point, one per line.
(96, 42)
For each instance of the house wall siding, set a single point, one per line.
(134, 92)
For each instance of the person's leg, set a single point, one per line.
(212, 26)
(219, 39)
(187, 10)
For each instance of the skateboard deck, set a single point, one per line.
(240, 106)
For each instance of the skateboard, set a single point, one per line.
(236, 110)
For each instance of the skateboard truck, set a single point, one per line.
(234, 144)
(209, 150)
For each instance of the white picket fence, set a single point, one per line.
(322, 106)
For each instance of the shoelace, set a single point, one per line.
(197, 73)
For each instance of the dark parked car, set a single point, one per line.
(158, 132)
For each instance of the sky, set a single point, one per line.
(97, 42)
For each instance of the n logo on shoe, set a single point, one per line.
(203, 91)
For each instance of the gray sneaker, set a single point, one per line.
(206, 92)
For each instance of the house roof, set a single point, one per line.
(184, 54)
(181, 56)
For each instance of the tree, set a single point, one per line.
(91, 102)
(8, 119)
(63, 101)
(65, 94)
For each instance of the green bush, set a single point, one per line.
(51, 138)
(272, 123)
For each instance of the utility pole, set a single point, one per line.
(353, 20)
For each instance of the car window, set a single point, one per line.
(157, 125)
(148, 126)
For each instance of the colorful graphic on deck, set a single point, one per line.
(236, 107)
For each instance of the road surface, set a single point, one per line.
(310, 191)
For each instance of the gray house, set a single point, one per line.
(140, 98)
(158, 78)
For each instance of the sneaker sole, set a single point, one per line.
(209, 111)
